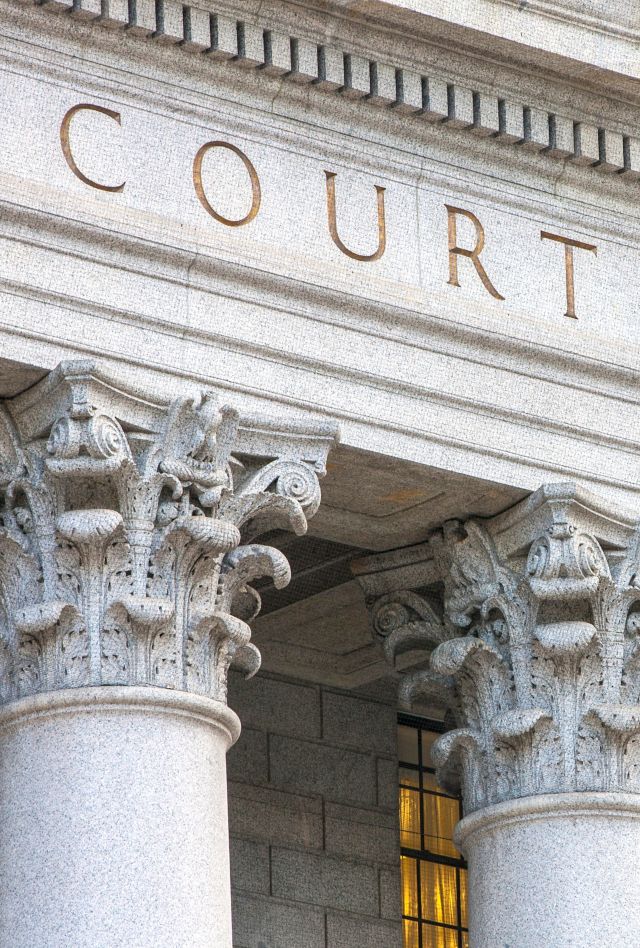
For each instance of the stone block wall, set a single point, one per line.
(313, 818)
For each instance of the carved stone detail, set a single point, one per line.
(536, 654)
(125, 546)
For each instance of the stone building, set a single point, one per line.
(319, 380)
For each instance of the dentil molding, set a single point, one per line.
(437, 99)
(530, 626)
(128, 533)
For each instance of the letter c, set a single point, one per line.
(66, 146)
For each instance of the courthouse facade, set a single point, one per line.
(319, 474)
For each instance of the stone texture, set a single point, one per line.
(166, 331)
(387, 784)
(250, 866)
(362, 833)
(322, 880)
(422, 373)
(114, 827)
(249, 757)
(257, 812)
(338, 774)
(354, 722)
(344, 931)
(334, 857)
(390, 896)
(542, 699)
(265, 923)
(280, 707)
(555, 869)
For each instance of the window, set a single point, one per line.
(434, 876)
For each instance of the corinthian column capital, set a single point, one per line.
(127, 533)
(529, 623)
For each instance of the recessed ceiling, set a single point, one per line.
(318, 627)
(15, 377)
(376, 502)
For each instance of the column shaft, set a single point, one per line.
(554, 871)
(114, 820)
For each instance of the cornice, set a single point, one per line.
(370, 83)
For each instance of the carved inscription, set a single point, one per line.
(333, 225)
(256, 194)
(474, 255)
(455, 247)
(569, 246)
(65, 130)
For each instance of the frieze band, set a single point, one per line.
(437, 100)
(454, 249)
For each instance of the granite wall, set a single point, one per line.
(313, 818)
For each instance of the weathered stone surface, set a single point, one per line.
(250, 868)
(332, 845)
(347, 931)
(352, 721)
(338, 774)
(280, 707)
(258, 812)
(390, 897)
(160, 313)
(362, 833)
(529, 627)
(248, 758)
(554, 870)
(114, 790)
(387, 784)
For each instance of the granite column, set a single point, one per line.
(529, 623)
(127, 562)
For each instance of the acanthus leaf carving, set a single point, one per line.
(544, 683)
(240, 568)
(122, 558)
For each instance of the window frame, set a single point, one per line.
(420, 856)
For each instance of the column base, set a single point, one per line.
(554, 871)
(113, 820)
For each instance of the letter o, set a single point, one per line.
(256, 195)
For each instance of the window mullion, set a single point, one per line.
(449, 882)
